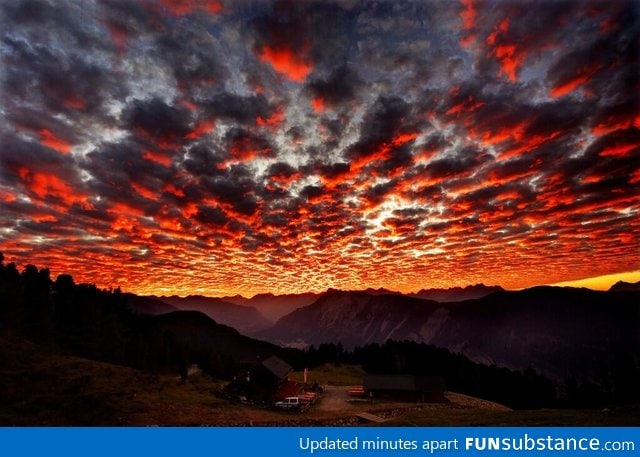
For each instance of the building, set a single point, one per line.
(263, 380)
(428, 389)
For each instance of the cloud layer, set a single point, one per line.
(186, 146)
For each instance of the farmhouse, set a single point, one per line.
(405, 387)
(263, 381)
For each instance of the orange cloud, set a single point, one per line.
(282, 58)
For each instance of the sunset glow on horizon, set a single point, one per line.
(221, 147)
(602, 282)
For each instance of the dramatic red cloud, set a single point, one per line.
(581, 76)
(144, 191)
(530, 144)
(173, 190)
(293, 146)
(468, 105)
(157, 158)
(49, 139)
(495, 133)
(246, 148)
(614, 123)
(285, 179)
(274, 120)
(620, 150)
(44, 185)
(403, 138)
(285, 61)
(183, 7)
(505, 53)
(318, 104)
(468, 16)
(200, 129)
(6, 196)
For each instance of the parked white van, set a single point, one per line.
(289, 403)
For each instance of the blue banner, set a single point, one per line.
(318, 441)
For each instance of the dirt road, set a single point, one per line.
(334, 399)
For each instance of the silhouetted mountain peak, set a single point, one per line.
(235, 297)
(147, 305)
(454, 294)
(264, 295)
(622, 286)
(244, 318)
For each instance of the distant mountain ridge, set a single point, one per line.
(200, 331)
(273, 307)
(622, 286)
(245, 319)
(253, 315)
(554, 330)
(455, 294)
(147, 305)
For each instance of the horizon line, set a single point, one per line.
(596, 283)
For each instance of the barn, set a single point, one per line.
(429, 389)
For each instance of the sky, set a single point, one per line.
(221, 147)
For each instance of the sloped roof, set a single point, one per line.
(404, 382)
(277, 366)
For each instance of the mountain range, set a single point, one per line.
(557, 331)
(260, 312)
(454, 294)
(148, 305)
(622, 286)
(245, 319)
(273, 307)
